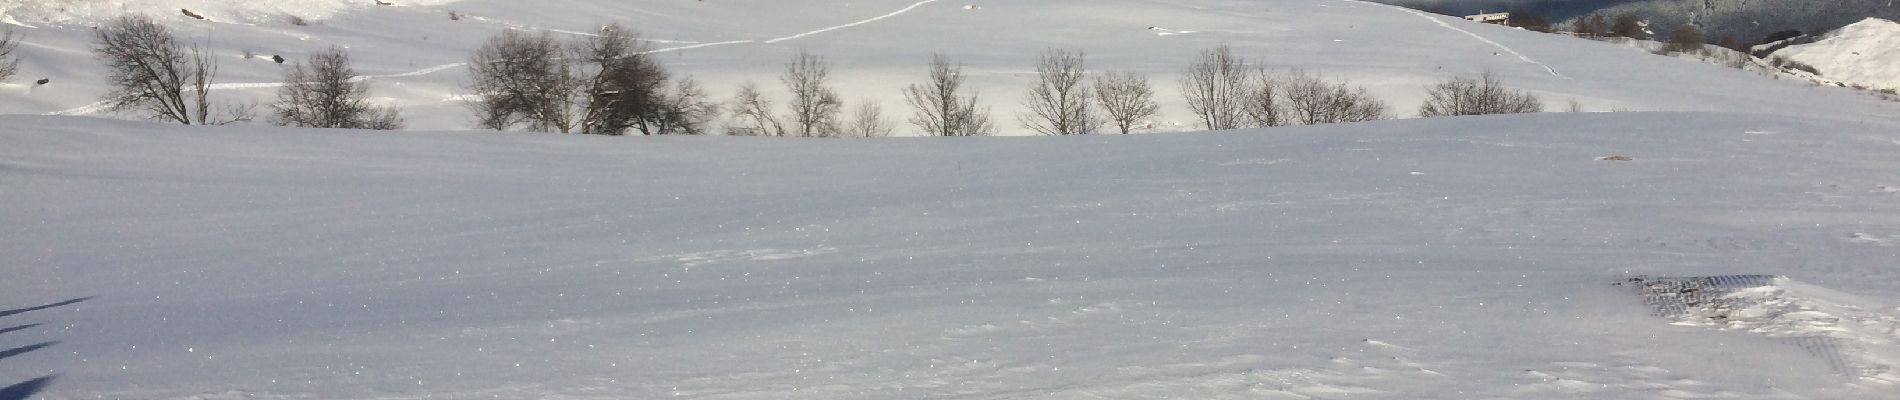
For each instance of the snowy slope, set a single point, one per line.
(37, 12)
(879, 46)
(1461, 258)
(1865, 53)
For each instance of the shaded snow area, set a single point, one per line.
(1460, 258)
(414, 52)
(1865, 53)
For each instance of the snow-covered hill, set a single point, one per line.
(47, 12)
(1430, 259)
(1451, 258)
(879, 46)
(1866, 53)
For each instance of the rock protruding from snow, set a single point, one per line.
(1864, 53)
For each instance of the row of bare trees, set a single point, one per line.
(609, 84)
(605, 84)
(1224, 91)
(1063, 100)
(815, 109)
(150, 72)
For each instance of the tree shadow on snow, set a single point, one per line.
(25, 390)
(4, 331)
(9, 353)
(37, 308)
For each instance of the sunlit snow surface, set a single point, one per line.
(1447, 259)
(1864, 53)
(1467, 258)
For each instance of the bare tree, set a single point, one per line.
(942, 110)
(9, 63)
(1216, 87)
(522, 79)
(625, 88)
(686, 110)
(1126, 99)
(1262, 105)
(752, 114)
(326, 92)
(814, 107)
(867, 120)
(605, 84)
(1058, 102)
(151, 72)
(1311, 100)
(1485, 95)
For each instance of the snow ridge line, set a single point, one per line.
(866, 21)
(101, 105)
(1500, 46)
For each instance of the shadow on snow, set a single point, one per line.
(25, 390)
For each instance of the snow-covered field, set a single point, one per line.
(1449, 259)
(1456, 258)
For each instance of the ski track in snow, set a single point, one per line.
(1481, 38)
(102, 105)
(866, 21)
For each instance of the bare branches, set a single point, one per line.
(868, 121)
(326, 92)
(626, 89)
(9, 63)
(1262, 105)
(686, 110)
(1126, 98)
(1486, 95)
(941, 109)
(521, 79)
(1311, 100)
(605, 84)
(1058, 102)
(814, 107)
(752, 114)
(149, 71)
(1216, 87)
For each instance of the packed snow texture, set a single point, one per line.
(1449, 258)
(415, 53)
(1866, 53)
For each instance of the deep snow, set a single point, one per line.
(1448, 258)
(1461, 258)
